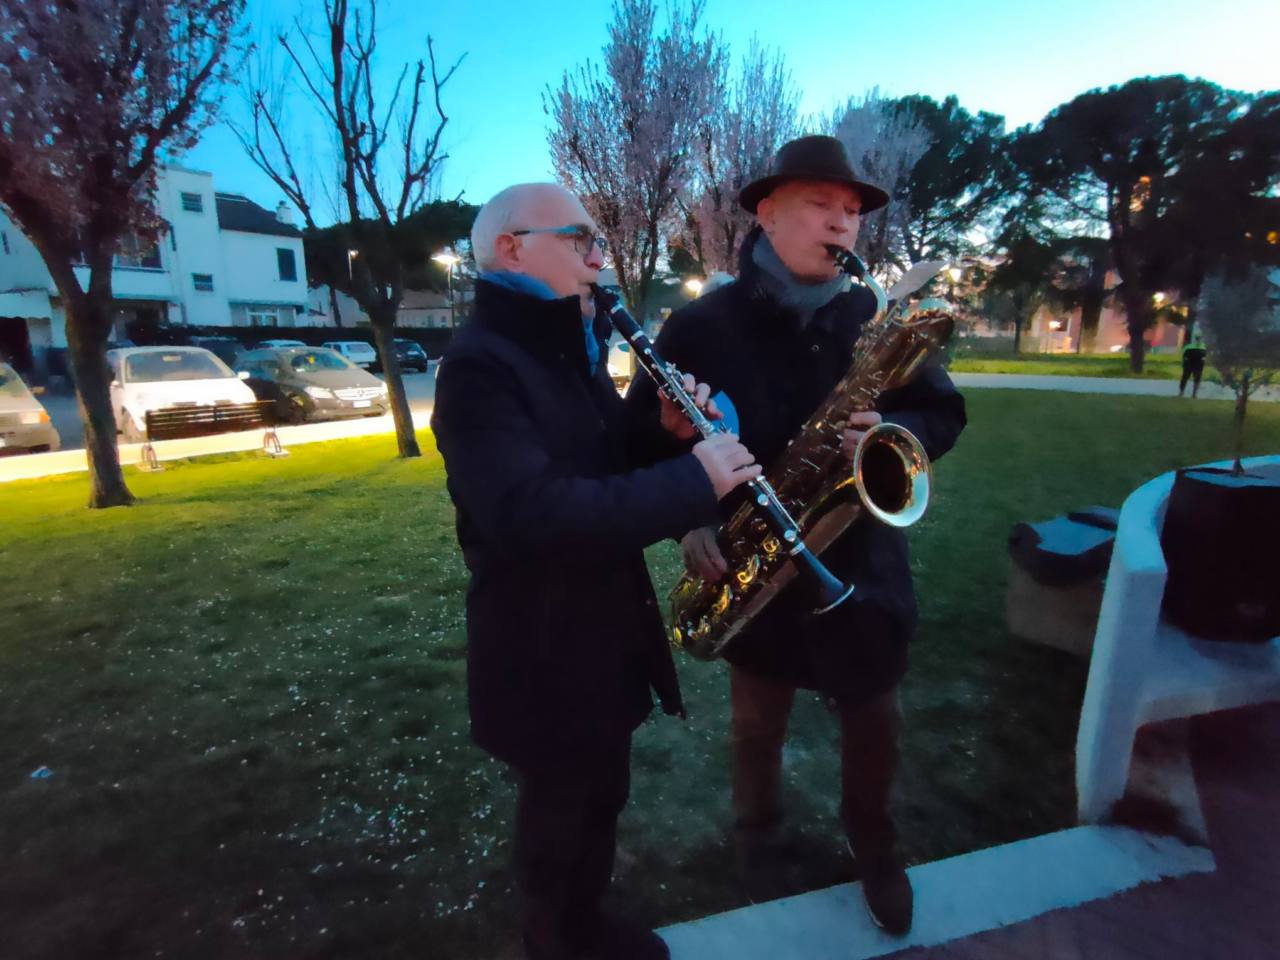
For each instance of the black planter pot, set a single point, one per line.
(1221, 541)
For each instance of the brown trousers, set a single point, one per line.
(868, 759)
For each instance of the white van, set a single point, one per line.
(153, 378)
(357, 351)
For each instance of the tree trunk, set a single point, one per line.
(1090, 317)
(1242, 401)
(383, 318)
(1137, 309)
(333, 305)
(88, 322)
(1017, 335)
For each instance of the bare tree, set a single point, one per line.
(92, 97)
(623, 138)
(735, 147)
(382, 181)
(1241, 326)
(884, 144)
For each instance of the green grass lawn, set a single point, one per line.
(249, 691)
(1154, 367)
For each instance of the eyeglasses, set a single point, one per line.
(583, 238)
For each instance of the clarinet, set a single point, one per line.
(831, 591)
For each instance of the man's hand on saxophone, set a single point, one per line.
(702, 556)
(854, 429)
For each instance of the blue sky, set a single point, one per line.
(1018, 58)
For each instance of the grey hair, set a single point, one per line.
(499, 215)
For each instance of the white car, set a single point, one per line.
(278, 344)
(24, 423)
(153, 378)
(357, 351)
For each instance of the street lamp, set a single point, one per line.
(693, 285)
(351, 254)
(449, 260)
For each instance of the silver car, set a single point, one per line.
(25, 426)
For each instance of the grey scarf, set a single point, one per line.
(801, 299)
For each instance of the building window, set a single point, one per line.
(287, 264)
(193, 202)
(136, 252)
(263, 318)
(202, 281)
(4, 242)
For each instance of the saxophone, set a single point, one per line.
(890, 475)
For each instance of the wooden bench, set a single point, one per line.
(184, 423)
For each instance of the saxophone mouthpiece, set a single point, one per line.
(847, 261)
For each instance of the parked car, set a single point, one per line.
(273, 344)
(155, 378)
(225, 349)
(313, 383)
(412, 356)
(357, 351)
(25, 426)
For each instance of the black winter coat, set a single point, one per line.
(739, 340)
(564, 638)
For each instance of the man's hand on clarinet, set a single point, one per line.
(702, 556)
(727, 462)
(672, 417)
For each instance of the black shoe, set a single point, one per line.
(611, 937)
(764, 863)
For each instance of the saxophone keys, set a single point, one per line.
(723, 599)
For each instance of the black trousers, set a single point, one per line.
(1190, 370)
(565, 840)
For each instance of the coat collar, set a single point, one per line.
(550, 330)
(768, 312)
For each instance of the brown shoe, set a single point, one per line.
(887, 890)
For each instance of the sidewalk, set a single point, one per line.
(1115, 385)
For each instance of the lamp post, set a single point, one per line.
(449, 260)
(351, 254)
(693, 285)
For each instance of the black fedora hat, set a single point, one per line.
(812, 158)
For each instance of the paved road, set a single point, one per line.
(421, 388)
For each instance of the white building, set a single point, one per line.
(419, 309)
(221, 261)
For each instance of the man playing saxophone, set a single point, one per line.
(775, 342)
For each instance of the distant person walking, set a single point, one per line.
(1193, 352)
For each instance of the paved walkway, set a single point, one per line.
(1085, 894)
(1230, 913)
(1149, 388)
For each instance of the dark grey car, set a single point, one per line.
(313, 383)
(25, 426)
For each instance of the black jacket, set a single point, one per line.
(564, 638)
(739, 340)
